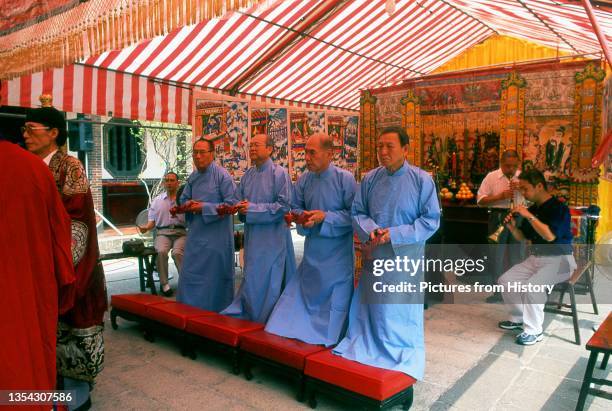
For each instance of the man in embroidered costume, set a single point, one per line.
(80, 344)
(317, 298)
(36, 269)
(264, 194)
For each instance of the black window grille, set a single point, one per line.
(123, 148)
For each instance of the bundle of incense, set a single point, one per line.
(226, 209)
(181, 209)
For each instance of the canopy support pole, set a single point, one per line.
(603, 42)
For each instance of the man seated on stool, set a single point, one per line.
(547, 225)
(171, 234)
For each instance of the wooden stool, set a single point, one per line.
(284, 355)
(600, 342)
(171, 319)
(221, 332)
(132, 306)
(581, 272)
(362, 385)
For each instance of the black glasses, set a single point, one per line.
(202, 151)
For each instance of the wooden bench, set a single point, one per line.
(220, 332)
(362, 385)
(132, 306)
(313, 367)
(284, 355)
(600, 343)
(191, 327)
(171, 319)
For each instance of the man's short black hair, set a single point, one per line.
(533, 177)
(174, 174)
(211, 145)
(401, 133)
(509, 153)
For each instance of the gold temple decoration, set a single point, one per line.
(46, 100)
(586, 134)
(367, 111)
(411, 122)
(512, 114)
(96, 26)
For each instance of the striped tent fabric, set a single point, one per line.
(551, 23)
(102, 92)
(359, 44)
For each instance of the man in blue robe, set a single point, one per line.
(265, 194)
(314, 306)
(395, 211)
(207, 276)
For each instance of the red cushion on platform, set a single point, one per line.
(221, 328)
(175, 314)
(372, 382)
(136, 303)
(283, 350)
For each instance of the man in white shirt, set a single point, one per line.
(499, 189)
(171, 233)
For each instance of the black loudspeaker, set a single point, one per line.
(80, 134)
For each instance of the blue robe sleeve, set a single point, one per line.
(298, 204)
(428, 221)
(338, 222)
(186, 194)
(269, 213)
(240, 196)
(227, 188)
(362, 222)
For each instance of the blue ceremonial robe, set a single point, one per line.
(314, 306)
(207, 276)
(268, 250)
(391, 335)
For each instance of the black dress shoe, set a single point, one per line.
(168, 293)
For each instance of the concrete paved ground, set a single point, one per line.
(471, 365)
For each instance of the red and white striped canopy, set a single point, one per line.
(358, 44)
(91, 90)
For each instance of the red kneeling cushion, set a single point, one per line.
(136, 303)
(372, 382)
(174, 314)
(221, 328)
(283, 350)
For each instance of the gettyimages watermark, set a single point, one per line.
(469, 273)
